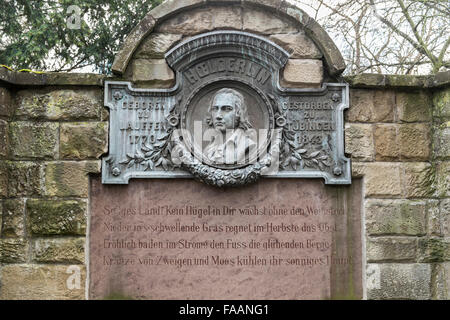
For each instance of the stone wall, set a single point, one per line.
(54, 130)
(398, 140)
(51, 138)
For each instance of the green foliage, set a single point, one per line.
(35, 33)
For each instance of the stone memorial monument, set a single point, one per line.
(253, 227)
(226, 158)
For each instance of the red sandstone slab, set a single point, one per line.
(180, 239)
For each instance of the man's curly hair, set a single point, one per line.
(241, 106)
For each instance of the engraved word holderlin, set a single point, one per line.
(227, 121)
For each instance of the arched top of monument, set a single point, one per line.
(170, 8)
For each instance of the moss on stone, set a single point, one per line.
(51, 217)
(434, 250)
(33, 140)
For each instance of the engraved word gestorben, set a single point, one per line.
(227, 121)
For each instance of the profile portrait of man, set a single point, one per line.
(231, 133)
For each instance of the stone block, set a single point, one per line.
(67, 104)
(5, 102)
(13, 224)
(13, 250)
(156, 45)
(171, 6)
(443, 179)
(399, 281)
(359, 141)
(440, 281)
(383, 179)
(69, 179)
(441, 142)
(153, 72)
(358, 169)
(395, 217)
(368, 105)
(24, 178)
(38, 282)
(53, 217)
(434, 250)
(445, 217)
(59, 251)
(414, 141)
(265, 22)
(435, 227)
(227, 17)
(299, 45)
(386, 142)
(414, 107)
(83, 140)
(3, 179)
(441, 105)
(302, 73)
(391, 249)
(33, 140)
(188, 22)
(3, 139)
(419, 180)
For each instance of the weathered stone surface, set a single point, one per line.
(383, 179)
(414, 141)
(318, 281)
(5, 102)
(386, 143)
(419, 180)
(59, 251)
(51, 217)
(264, 22)
(391, 249)
(441, 141)
(155, 72)
(69, 179)
(13, 251)
(371, 106)
(434, 249)
(229, 17)
(1, 217)
(83, 140)
(68, 104)
(33, 140)
(414, 107)
(3, 179)
(435, 227)
(443, 179)
(188, 22)
(383, 105)
(445, 216)
(303, 73)
(440, 281)
(3, 139)
(171, 6)
(358, 169)
(400, 217)
(13, 224)
(156, 45)
(298, 45)
(441, 105)
(24, 178)
(399, 281)
(38, 282)
(359, 141)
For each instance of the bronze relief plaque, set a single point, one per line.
(181, 239)
(227, 122)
